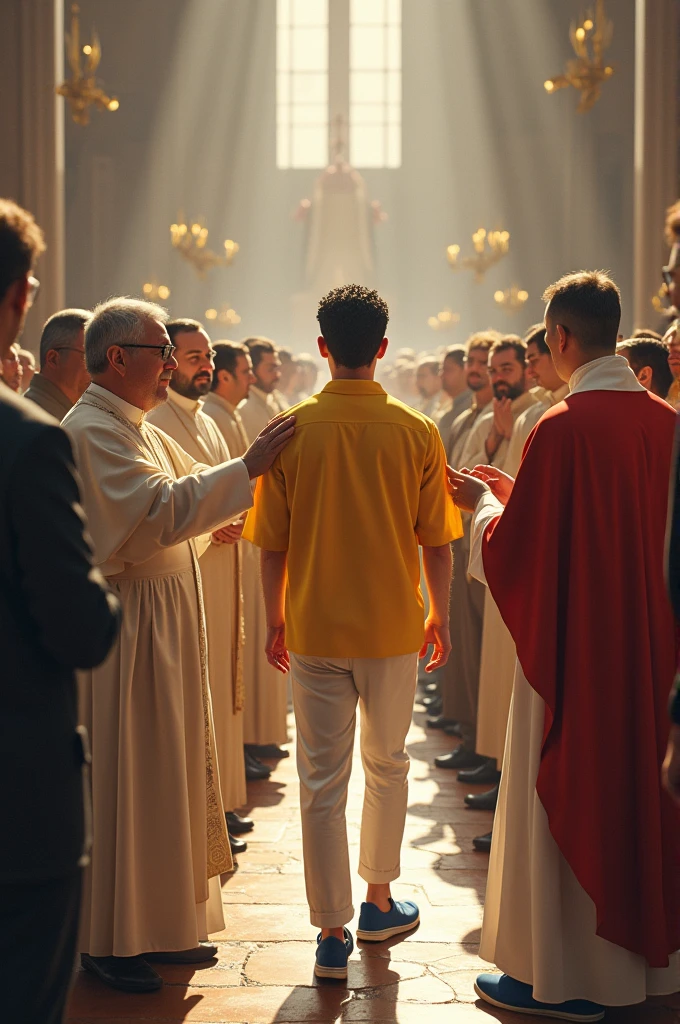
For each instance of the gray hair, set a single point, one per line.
(61, 330)
(119, 321)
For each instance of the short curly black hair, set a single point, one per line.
(353, 321)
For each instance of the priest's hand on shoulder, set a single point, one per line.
(268, 444)
(499, 483)
(275, 648)
(465, 488)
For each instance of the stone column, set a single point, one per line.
(32, 125)
(656, 145)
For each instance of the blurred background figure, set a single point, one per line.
(672, 339)
(27, 360)
(12, 370)
(648, 359)
(63, 376)
(429, 384)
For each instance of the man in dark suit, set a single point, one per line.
(56, 615)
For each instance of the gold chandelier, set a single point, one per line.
(445, 320)
(81, 90)
(153, 291)
(587, 71)
(511, 299)
(191, 243)
(224, 315)
(489, 248)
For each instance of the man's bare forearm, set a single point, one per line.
(273, 566)
(437, 566)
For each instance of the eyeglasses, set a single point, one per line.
(70, 348)
(165, 350)
(33, 286)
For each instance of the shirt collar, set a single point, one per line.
(213, 396)
(130, 412)
(190, 405)
(354, 387)
(609, 373)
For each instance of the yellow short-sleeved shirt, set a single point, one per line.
(359, 487)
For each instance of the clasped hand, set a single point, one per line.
(229, 534)
(468, 486)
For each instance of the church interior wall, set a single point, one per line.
(483, 144)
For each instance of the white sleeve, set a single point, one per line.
(487, 508)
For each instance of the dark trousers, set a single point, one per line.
(38, 931)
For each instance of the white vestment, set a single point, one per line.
(266, 706)
(497, 665)
(539, 923)
(182, 419)
(160, 838)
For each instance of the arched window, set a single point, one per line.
(339, 59)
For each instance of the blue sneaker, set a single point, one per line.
(332, 955)
(375, 925)
(503, 991)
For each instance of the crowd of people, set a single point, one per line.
(206, 521)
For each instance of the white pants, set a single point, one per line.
(325, 695)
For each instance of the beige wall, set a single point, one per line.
(31, 127)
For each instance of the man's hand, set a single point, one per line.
(502, 416)
(500, 483)
(437, 634)
(670, 773)
(465, 488)
(229, 534)
(268, 444)
(276, 650)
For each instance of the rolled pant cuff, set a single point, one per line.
(378, 877)
(332, 919)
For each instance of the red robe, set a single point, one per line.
(575, 565)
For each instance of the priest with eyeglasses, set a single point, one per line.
(152, 892)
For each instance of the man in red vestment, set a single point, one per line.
(583, 898)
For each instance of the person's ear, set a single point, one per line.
(323, 347)
(563, 338)
(116, 359)
(51, 359)
(383, 348)
(645, 377)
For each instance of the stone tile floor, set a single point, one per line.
(263, 973)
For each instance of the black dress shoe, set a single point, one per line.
(238, 825)
(270, 750)
(255, 770)
(483, 843)
(237, 845)
(460, 758)
(453, 729)
(485, 775)
(483, 801)
(128, 973)
(438, 722)
(198, 955)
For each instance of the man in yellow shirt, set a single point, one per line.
(340, 518)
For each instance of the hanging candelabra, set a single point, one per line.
(191, 242)
(588, 70)
(81, 90)
(511, 299)
(445, 320)
(226, 314)
(489, 248)
(154, 291)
